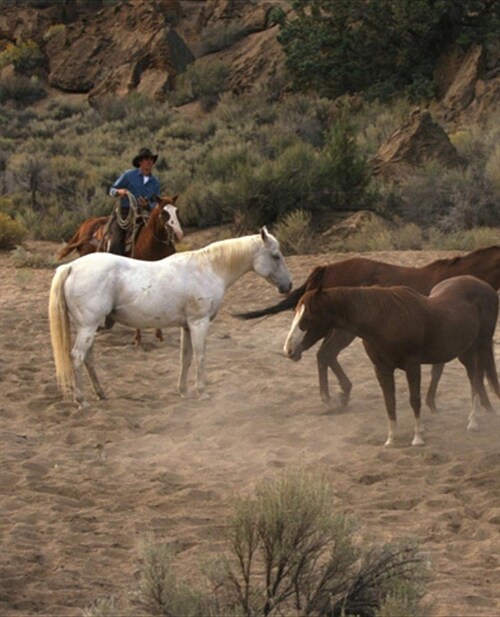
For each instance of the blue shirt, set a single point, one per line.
(133, 181)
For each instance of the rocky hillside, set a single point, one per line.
(142, 45)
(106, 49)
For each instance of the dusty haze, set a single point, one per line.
(79, 490)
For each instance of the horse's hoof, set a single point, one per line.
(473, 426)
(83, 405)
(344, 399)
(389, 443)
(418, 441)
(203, 396)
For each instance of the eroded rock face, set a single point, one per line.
(130, 47)
(412, 145)
(462, 90)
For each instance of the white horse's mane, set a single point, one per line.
(228, 255)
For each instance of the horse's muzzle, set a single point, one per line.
(284, 289)
(293, 354)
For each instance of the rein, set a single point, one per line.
(169, 231)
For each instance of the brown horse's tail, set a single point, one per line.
(288, 303)
(60, 333)
(313, 281)
(70, 246)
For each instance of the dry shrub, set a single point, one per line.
(289, 553)
(468, 240)
(12, 232)
(21, 258)
(294, 233)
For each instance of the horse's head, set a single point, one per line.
(269, 263)
(167, 215)
(307, 327)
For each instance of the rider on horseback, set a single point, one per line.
(143, 186)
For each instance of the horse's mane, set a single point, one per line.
(228, 255)
(452, 261)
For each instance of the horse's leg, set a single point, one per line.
(199, 331)
(89, 363)
(414, 378)
(430, 398)
(186, 357)
(159, 334)
(471, 366)
(137, 338)
(385, 378)
(83, 342)
(332, 345)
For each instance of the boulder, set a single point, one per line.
(412, 145)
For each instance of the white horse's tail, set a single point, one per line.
(60, 333)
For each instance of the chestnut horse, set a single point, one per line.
(403, 329)
(483, 263)
(155, 240)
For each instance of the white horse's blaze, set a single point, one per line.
(295, 335)
(185, 289)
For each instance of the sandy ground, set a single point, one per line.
(80, 489)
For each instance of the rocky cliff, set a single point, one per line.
(104, 49)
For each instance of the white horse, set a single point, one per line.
(185, 289)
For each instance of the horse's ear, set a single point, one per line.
(157, 198)
(175, 197)
(264, 233)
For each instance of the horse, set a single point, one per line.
(401, 328)
(483, 263)
(185, 289)
(86, 239)
(154, 241)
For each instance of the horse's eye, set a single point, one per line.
(277, 257)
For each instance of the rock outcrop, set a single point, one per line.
(130, 47)
(412, 145)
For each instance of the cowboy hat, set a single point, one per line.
(144, 153)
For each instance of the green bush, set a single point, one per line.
(21, 91)
(12, 232)
(25, 56)
(201, 80)
(53, 31)
(220, 36)
(379, 47)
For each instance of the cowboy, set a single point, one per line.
(141, 183)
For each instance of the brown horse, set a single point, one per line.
(358, 271)
(155, 239)
(402, 329)
(87, 238)
(156, 242)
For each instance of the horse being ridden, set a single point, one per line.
(185, 289)
(483, 263)
(401, 328)
(157, 241)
